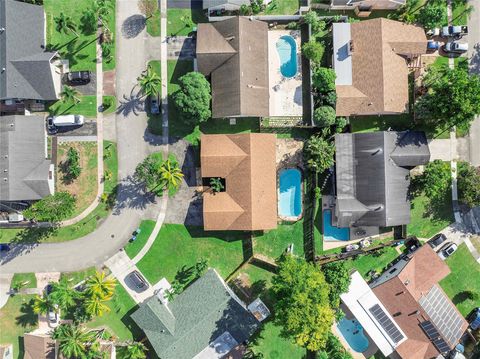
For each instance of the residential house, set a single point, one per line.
(405, 312)
(6, 351)
(366, 5)
(207, 320)
(247, 166)
(370, 61)
(29, 75)
(27, 174)
(373, 177)
(39, 346)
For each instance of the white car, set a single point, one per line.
(53, 316)
(455, 46)
(68, 120)
(447, 250)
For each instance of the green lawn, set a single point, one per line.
(118, 320)
(463, 278)
(178, 247)
(109, 64)
(80, 51)
(181, 21)
(24, 278)
(86, 107)
(377, 262)
(426, 220)
(351, 13)
(82, 228)
(155, 121)
(77, 277)
(133, 248)
(459, 16)
(109, 104)
(282, 7)
(153, 24)
(17, 318)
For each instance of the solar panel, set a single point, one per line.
(387, 324)
(434, 336)
(443, 315)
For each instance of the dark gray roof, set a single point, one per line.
(195, 318)
(234, 52)
(24, 168)
(28, 73)
(372, 176)
(211, 3)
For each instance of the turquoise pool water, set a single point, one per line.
(332, 233)
(352, 331)
(290, 198)
(287, 51)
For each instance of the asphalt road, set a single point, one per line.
(133, 146)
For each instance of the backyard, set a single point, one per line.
(282, 7)
(427, 219)
(462, 283)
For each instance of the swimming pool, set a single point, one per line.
(290, 197)
(332, 233)
(352, 331)
(287, 51)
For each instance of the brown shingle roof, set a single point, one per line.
(247, 162)
(400, 295)
(379, 72)
(234, 52)
(38, 346)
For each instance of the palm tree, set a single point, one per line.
(63, 294)
(96, 306)
(170, 174)
(73, 340)
(69, 94)
(150, 82)
(100, 286)
(135, 350)
(65, 24)
(42, 305)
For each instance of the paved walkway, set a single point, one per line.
(5, 281)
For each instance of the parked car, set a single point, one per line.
(456, 47)
(53, 316)
(4, 247)
(433, 45)
(433, 32)
(447, 250)
(154, 107)
(78, 77)
(67, 120)
(51, 128)
(48, 289)
(454, 31)
(437, 239)
(137, 280)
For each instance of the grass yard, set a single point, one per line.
(155, 121)
(153, 24)
(82, 228)
(180, 22)
(459, 14)
(17, 318)
(427, 221)
(86, 107)
(133, 248)
(80, 51)
(282, 7)
(28, 278)
(178, 247)
(109, 62)
(109, 104)
(118, 320)
(462, 279)
(376, 262)
(476, 242)
(77, 277)
(84, 188)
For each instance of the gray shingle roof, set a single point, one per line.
(195, 318)
(372, 176)
(27, 72)
(22, 155)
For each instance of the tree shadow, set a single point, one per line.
(184, 275)
(227, 236)
(132, 194)
(463, 296)
(133, 103)
(133, 26)
(28, 318)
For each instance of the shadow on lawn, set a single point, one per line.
(28, 318)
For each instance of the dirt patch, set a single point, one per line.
(289, 153)
(84, 188)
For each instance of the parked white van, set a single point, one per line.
(68, 120)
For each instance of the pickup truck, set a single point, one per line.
(455, 31)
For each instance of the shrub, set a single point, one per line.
(324, 116)
(193, 97)
(433, 14)
(318, 154)
(314, 21)
(313, 51)
(324, 80)
(468, 184)
(53, 208)
(436, 180)
(330, 98)
(73, 168)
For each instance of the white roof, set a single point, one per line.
(218, 348)
(359, 299)
(342, 60)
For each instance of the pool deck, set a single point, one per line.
(285, 93)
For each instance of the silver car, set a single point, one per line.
(456, 47)
(447, 250)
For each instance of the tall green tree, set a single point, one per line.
(95, 306)
(468, 184)
(158, 174)
(436, 180)
(192, 99)
(100, 285)
(318, 154)
(334, 349)
(42, 305)
(88, 22)
(433, 14)
(171, 175)
(313, 50)
(314, 21)
(452, 98)
(70, 95)
(302, 307)
(150, 83)
(135, 350)
(53, 208)
(323, 80)
(337, 274)
(73, 340)
(65, 24)
(63, 294)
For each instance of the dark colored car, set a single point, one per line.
(78, 77)
(4, 247)
(137, 280)
(433, 45)
(437, 240)
(154, 106)
(52, 129)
